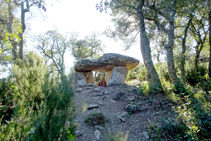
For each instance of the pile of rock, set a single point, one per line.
(115, 65)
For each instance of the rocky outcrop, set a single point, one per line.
(115, 65)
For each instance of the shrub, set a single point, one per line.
(95, 118)
(43, 104)
(6, 105)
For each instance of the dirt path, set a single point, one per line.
(112, 102)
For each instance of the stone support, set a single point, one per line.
(119, 75)
(108, 76)
(79, 79)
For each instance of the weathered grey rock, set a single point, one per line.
(106, 63)
(145, 135)
(91, 85)
(98, 89)
(106, 92)
(118, 96)
(79, 79)
(79, 89)
(119, 76)
(100, 128)
(123, 116)
(130, 108)
(97, 134)
(78, 133)
(131, 98)
(92, 106)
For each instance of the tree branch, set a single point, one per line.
(125, 5)
(158, 11)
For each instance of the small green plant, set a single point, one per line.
(95, 118)
(118, 136)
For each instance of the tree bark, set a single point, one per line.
(182, 64)
(209, 73)
(146, 53)
(9, 29)
(23, 27)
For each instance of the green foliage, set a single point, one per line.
(193, 119)
(95, 118)
(56, 120)
(6, 105)
(89, 47)
(43, 104)
(193, 76)
(118, 136)
(53, 46)
(139, 73)
(29, 76)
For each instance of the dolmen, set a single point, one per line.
(115, 66)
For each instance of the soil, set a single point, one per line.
(151, 109)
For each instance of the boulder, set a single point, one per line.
(106, 63)
(79, 79)
(119, 76)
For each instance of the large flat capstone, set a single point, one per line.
(106, 63)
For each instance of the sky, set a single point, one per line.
(76, 16)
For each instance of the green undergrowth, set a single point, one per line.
(193, 122)
(35, 105)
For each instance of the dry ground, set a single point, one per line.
(151, 109)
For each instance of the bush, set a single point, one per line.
(95, 118)
(43, 104)
(6, 105)
(56, 120)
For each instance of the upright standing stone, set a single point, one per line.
(108, 76)
(89, 77)
(79, 79)
(119, 76)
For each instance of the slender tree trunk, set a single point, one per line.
(170, 56)
(146, 51)
(182, 64)
(210, 41)
(196, 61)
(209, 4)
(23, 27)
(9, 29)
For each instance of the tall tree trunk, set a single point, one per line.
(182, 64)
(9, 29)
(209, 73)
(170, 56)
(23, 27)
(146, 51)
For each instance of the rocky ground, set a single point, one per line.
(124, 107)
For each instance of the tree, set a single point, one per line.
(10, 28)
(15, 35)
(135, 21)
(40, 4)
(209, 4)
(187, 14)
(89, 47)
(199, 31)
(53, 46)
